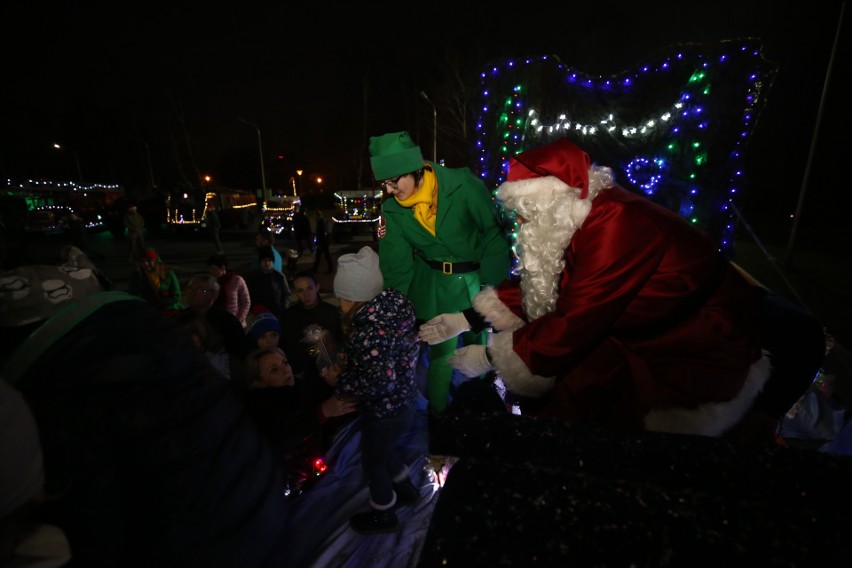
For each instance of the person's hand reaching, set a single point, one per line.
(471, 361)
(337, 405)
(443, 327)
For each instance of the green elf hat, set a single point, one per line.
(393, 155)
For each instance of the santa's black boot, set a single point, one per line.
(406, 493)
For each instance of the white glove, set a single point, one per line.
(471, 361)
(443, 327)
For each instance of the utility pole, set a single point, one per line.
(260, 150)
(434, 127)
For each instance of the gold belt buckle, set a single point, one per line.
(447, 268)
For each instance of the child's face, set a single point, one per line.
(268, 340)
(345, 305)
(275, 370)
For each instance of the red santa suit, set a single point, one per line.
(623, 313)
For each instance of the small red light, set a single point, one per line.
(319, 466)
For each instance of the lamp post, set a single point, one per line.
(151, 185)
(150, 169)
(299, 173)
(76, 161)
(260, 151)
(434, 127)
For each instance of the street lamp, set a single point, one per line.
(434, 127)
(76, 161)
(260, 150)
(299, 173)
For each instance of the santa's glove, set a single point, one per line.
(471, 361)
(443, 327)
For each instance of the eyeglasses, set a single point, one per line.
(392, 182)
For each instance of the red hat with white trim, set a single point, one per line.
(562, 159)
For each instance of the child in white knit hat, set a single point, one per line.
(381, 354)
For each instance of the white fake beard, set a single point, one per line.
(542, 240)
(551, 217)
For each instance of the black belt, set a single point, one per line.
(452, 267)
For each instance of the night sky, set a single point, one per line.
(107, 82)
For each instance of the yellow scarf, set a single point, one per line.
(424, 201)
(154, 279)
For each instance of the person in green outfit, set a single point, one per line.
(441, 240)
(155, 282)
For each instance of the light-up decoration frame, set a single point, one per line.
(674, 129)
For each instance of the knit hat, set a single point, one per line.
(563, 160)
(358, 278)
(394, 154)
(262, 323)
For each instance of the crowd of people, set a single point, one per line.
(609, 309)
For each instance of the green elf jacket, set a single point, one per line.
(468, 229)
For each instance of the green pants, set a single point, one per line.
(440, 375)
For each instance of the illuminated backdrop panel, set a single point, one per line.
(674, 129)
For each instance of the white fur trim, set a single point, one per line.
(600, 178)
(489, 305)
(378, 507)
(513, 371)
(716, 418)
(512, 191)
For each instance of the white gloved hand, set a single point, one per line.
(471, 361)
(443, 327)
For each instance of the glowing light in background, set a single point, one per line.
(673, 129)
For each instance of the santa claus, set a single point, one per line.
(625, 314)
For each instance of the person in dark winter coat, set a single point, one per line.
(323, 239)
(149, 457)
(264, 238)
(267, 286)
(381, 356)
(214, 225)
(302, 231)
(202, 290)
(290, 411)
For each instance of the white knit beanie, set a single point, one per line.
(358, 278)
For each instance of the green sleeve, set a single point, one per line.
(174, 289)
(495, 261)
(396, 255)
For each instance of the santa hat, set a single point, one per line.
(150, 254)
(543, 168)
